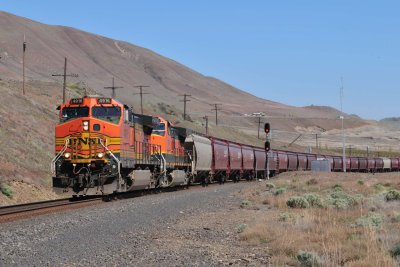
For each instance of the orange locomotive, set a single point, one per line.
(103, 147)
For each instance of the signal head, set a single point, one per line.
(267, 146)
(267, 128)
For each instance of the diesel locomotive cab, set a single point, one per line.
(88, 144)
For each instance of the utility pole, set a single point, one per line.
(113, 88)
(342, 118)
(216, 109)
(367, 151)
(23, 65)
(206, 119)
(184, 104)
(65, 75)
(316, 141)
(141, 95)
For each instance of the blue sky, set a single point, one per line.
(292, 52)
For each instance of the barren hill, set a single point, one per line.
(27, 122)
(97, 59)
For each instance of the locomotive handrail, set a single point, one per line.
(116, 159)
(58, 156)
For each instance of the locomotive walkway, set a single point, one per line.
(188, 227)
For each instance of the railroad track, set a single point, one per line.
(21, 211)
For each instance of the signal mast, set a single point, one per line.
(267, 145)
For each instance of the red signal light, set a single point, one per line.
(267, 128)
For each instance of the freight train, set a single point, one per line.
(103, 147)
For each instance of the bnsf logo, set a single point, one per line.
(85, 141)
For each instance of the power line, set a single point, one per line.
(141, 95)
(184, 104)
(216, 109)
(65, 75)
(113, 88)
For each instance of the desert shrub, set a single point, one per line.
(360, 182)
(314, 200)
(371, 219)
(312, 182)
(286, 216)
(342, 200)
(266, 201)
(382, 187)
(309, 259)
(395, 218)
(246, 204)
(270, 186)
(280, 191)
(337, 187)
(392, 195)
(395, 251)
(6, 190)
(297, 202)
(241, 228)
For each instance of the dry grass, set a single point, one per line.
(349, 236)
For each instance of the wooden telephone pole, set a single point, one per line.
(65, 75)
(113, 88)
(184, 104)
(216, 109)
(141, 96)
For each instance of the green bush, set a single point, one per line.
(314, 200)
(309, 259)
(395, 218)
(395, 251)
(297, 202)
(360, 182)
(246, 204)
(342, 200)
(392, 195)
(280, 191)
(312, 182)
(337, 187)
(382, 187)
(241, 228)
(286, 216)
(270, 186)
(7, 191)
(372, 219)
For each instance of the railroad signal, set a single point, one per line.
(267, 128)
(267, 146)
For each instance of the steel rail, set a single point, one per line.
(20, 208)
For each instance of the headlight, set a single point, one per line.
(85, 125)
(100, 155)
(67, 155)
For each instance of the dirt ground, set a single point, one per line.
(325, 219)
(21, 192)
(336, 219)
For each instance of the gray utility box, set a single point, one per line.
(321, 165)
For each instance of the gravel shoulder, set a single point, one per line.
(196, 227)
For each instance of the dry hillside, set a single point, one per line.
(27, 122)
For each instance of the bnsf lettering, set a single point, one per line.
(86, 141)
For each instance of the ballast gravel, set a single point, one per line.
(195, 227)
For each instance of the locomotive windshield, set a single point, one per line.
(70, 113)
(110, 114)
(159, 129)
